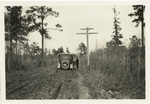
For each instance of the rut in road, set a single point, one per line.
(47, 84)
(83, 90)
(56, 92)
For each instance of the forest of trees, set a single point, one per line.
(17, 29)
(136, 50)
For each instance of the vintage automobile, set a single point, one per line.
(67, 61)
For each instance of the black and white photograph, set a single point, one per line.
(74, 51)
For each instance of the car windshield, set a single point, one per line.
(65, 57)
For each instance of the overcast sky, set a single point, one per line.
(73, 18)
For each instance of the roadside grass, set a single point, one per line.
(26, 62)
(115, 73)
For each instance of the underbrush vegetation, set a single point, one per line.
(116, 72)
(27, 62)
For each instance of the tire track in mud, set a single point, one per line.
(48, 90)
(63, 84)
(17, 89)
(69, 88)
(56, 92)
(25, 89)
(84, 92)
(20, 82)
(72, 87)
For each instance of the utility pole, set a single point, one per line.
(87, 35)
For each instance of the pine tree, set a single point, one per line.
(139, 18)
(116, 33)
(13, 29)
(36, 17)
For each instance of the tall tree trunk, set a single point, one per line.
(142, 27)
(17, 35)
(10, 39)
(115, 22)
(10, 57)
(43, 42)
(116, 32)
(9, 61)
(9, 52)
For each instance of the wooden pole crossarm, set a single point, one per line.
(81, 33)
(93, 33)
(87, 28)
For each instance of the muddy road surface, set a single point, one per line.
(45, 83)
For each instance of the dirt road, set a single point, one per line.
(46, 83)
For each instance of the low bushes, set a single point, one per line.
(116, 69)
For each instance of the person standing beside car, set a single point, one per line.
(77, 62)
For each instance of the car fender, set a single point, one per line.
(71, 66)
